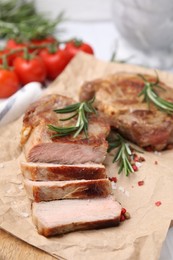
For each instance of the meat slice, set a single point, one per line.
(78, 189)
(39, 146)
(117, 98)
(59, 172)
(62, 216)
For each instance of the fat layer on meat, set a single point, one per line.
(59, 172)
(78, 189)
(117, 97)
(39, 146)
(62, 216)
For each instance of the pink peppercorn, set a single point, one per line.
(158, 203)
(135, 168)
(140, 183)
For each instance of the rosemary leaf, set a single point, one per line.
(67, 109)
(68, 118)
(62, 130)
(121, 167)
(81, 112)
(80, 128)
(123, 153)
(149, 95)
(118, 155)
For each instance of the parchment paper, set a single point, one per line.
(139, 238)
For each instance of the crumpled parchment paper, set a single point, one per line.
(139, 238)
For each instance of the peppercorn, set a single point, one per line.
(135, 168)
(122, 218)
(158, 203)
(140, 183)
(114, 179)
(123, 211)
(127, 215)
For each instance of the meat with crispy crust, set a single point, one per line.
(63, 216)
(117, 98)
(74, 189)
(39, 146)
(59, 172)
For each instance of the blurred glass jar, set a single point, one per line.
(145, 24)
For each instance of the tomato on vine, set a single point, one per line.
(39, 43)
(11, 46)
(9, 82)
(2, 52)
(29, 68)
(74, 46)
(49, 39)
(55, 60)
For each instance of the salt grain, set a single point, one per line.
(121, 189)
(114, 186)
(157, 153)
(20, 187)
(127, 193)
(138, 164)
(24, 214)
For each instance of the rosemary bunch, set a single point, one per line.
(123, 154)
(81, 112)
(19, 19)
(150, 95)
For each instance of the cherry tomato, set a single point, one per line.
(10, 57)
(29, 70)
(2, 52)
(13, 45)
(49, 39)
(40, 42)
(55, 62)
(74, 46)
(9, 83)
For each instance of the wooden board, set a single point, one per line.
(12, 248)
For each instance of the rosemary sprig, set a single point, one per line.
(24, 22)
(79, 110)
(114, 55)
(150, 95)
(114, 58)
(124, 153)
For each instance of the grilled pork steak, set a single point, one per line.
(78, 189)
(39, 146)
(117, 98)
(66, 167)
(58, 172)
(62, 216)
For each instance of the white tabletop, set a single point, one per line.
(98, 30)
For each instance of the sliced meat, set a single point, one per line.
(78, 189)
(39, 146)
(62, 216)
(59, 172)
(117, 98)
